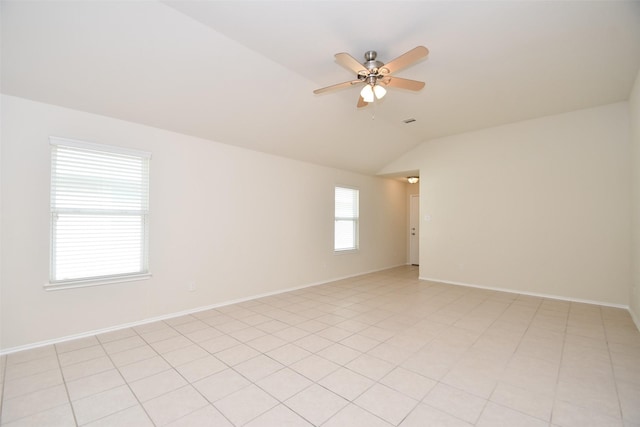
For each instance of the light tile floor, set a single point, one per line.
(382, 349)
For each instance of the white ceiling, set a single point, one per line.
(243, 73)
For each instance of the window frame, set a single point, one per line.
(355, 219)
(143, 212)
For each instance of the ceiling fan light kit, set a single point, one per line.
(376, 75)
(368, 92)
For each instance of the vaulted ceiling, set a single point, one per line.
(243, 73)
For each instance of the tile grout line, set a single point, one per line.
(117, 368)
(613, 373)
(564, 341)
(66, 389)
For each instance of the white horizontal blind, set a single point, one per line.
(99, 211)
(346, 219)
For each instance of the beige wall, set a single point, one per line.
(235, 222)
(634, 114)
(540, 206)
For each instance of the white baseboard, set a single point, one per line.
(533, 294)
(180, 313)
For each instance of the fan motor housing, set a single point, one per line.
(371, 63)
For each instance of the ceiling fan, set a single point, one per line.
(376, 75)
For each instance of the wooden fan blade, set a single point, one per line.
(403, 83)
(350, 62)
(362, 103)
(338, 86)
(404, 60)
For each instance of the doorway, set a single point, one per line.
(414, 229)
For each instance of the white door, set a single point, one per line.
(414, 229)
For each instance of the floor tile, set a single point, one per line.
(455, 402)
(157, 385)
(424, 415)
(334, 333)
(184, 355)
(144, 368)
(283, 384)
(247, 334)
(134, 416)
(234, 325)
(116, 335)
(499, 416)
(100, 405)
(409, 383)
(370, 366)
(219, 343)
(600, 397)
(266, 343)
(354, 416)
(313, 343)
(237, 354)
(179, 320)
(32, 403)
(32, 367)
(477, 381)
(72, 345)
(93, 384)
(339, 354)
(201, 368)
(150, 327)
(174, 405)
(535, 404)
(316, 404)
(291, 334)
(566, 414)
(203, 334)
(221, 384)
(258, 367)
(235, 408)
(346, 383)
(192, 326)
(280, 416)
(207, 416)
(360, 342)
(171, 344)
(386, 403)
(87, 368)
(60, 416)
(161, 334)
(123, 344)
(30, 355)
(134, 355)
(288, 354)
(32, 383)
(314, 367)
(76, 356)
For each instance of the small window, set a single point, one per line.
(346, 219)
(99, 213)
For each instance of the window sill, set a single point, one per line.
(345, 251)
(72, 284)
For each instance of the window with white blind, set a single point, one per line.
(99, 213)
(346, 219)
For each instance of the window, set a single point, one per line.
(346, 224)
(99, 213)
